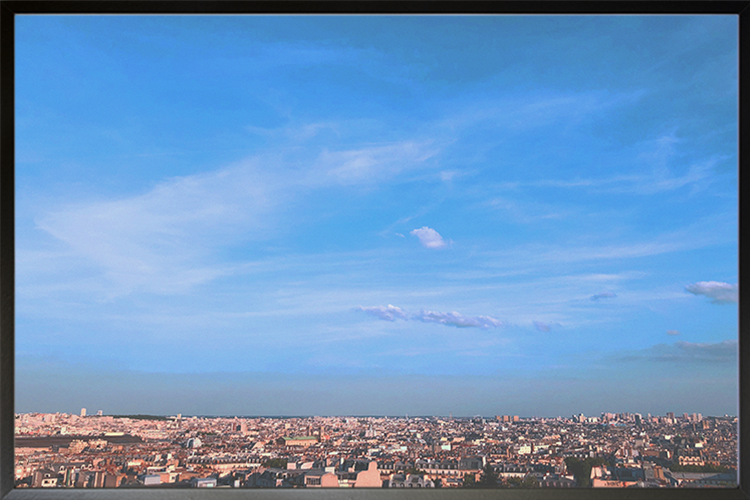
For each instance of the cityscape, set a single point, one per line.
(612, 450)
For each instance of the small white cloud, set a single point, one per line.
(428, 237)
(718, 292)
(457, 320)
(388, 313)
(603, 295)
(673, 332)
(541, 326)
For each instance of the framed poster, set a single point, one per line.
(473, 250)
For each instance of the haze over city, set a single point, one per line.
(376, 215)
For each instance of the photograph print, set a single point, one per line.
(413, 251)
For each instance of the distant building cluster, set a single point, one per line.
(610, 450)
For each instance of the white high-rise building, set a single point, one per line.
(83, 412)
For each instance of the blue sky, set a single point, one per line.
(376, 215)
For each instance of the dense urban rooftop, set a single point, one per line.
(60, 450)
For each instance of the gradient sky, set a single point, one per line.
(376, 215)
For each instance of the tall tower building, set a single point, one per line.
(83, 412)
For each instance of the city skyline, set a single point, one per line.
(674, 414)
(376, 215)
(617, 450)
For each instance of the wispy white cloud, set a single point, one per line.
(372, 163)
(642, 184)
(448, 175)
(457, 320)
(295, 132)
(718, 292)
(525, 212)
(710, 231)
(695, 175)
(608, 277)
(656, 168)
(538, 109)
(688, 352)
(579, 182)
(391, 313)
(428, 237)
(159, 241)
(603, 295)
(673, 332)
(288, 54)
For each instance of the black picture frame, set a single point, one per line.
(9, 9)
